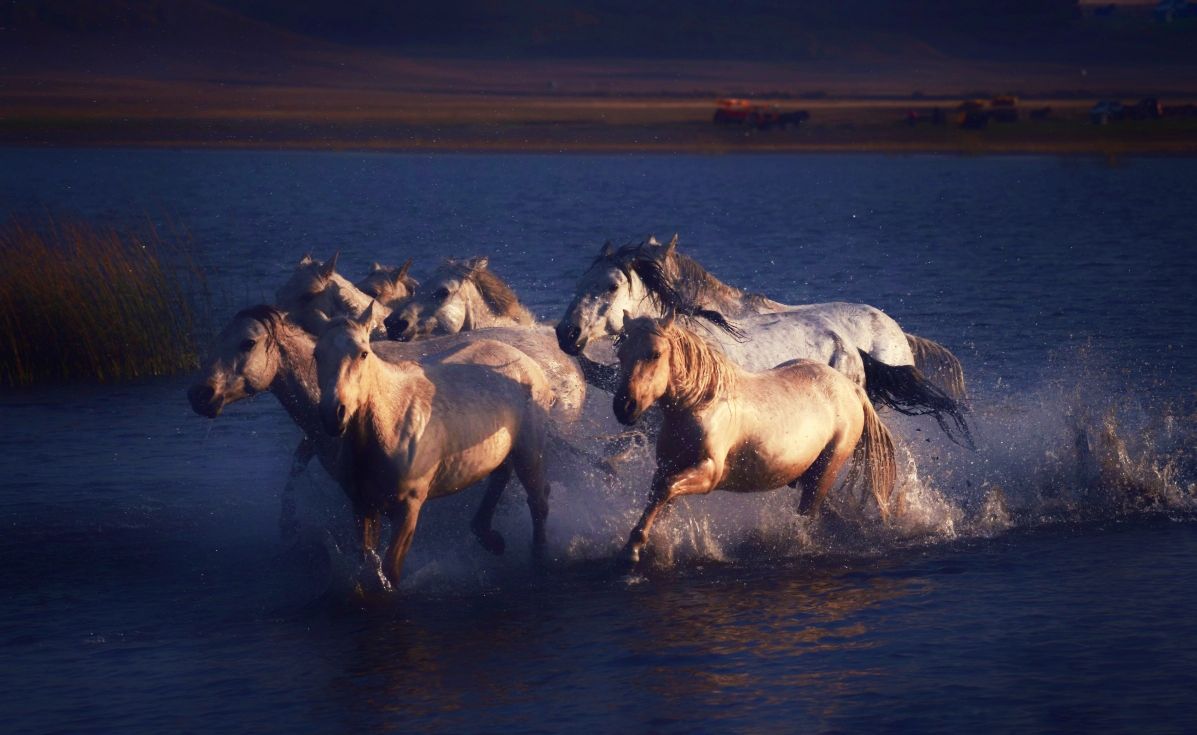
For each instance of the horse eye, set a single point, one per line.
(363, 355)
(654, 355)
(248, 345)
(613, 288)
(441, 293)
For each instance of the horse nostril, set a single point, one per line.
(341, 413)
(401, 325)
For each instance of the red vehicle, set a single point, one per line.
(760, 117)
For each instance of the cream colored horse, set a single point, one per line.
(459, 295)
(262, 351)
(413, 431)
(729, 429)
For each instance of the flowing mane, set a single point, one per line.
(670, 292)
(495, 292)
(699, 372)
(268, 316)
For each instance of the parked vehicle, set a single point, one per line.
(759, 117)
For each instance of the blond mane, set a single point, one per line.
(497, 295)
(699, 374)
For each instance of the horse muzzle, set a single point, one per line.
(626, 410)
(569, 338)
(203, 400)
(334, 418)
(399, 328)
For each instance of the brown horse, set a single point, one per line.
(418, 430)
(729, 429)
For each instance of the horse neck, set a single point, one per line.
(295, 383)
(348, 297)
(389, 390)
(479, 315)
(708, 292)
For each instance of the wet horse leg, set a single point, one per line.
(821, 475)
(369, 525)
(491, 539)
(403, 526)
(695, 480)
(288, 517)
(529, 467)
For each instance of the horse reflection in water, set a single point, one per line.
(413, 431)
(793, 636)
(729, 429)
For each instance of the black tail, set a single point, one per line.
(907, 391)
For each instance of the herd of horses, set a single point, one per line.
(407, 390)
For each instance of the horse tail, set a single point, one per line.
(873, 461)
(939, 365)
(906, 390)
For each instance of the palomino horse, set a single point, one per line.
(261, 350)
(458, 296)
(729, 429)
(413, 431)
(315, 291)
(858, 340)
(387, 285)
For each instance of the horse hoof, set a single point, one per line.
(493, 542)
(626, 564)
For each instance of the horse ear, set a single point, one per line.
(667, 322)
(478, 264)
(306, 259)
(403, 269)
(330, 267)
(376, 267)
(672, 245)
(367, 317)
(607, 250)
(652, 240)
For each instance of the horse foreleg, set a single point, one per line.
(288, 520)
(695, 480)
(403, 523)
(529, 466)
(491, 539)
(369, 526)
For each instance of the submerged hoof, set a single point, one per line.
(493, 542)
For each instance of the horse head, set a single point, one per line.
(388, 285)
(448, 302)
(342, 353)
(244, 360)
(606, 291)
(644, 350)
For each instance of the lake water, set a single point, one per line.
(1045, 582)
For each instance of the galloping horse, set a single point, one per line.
(857, 340)
(459, 295)
(413, 431)
(262, 350)
(729, 429)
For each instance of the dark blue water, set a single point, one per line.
(1029, 586)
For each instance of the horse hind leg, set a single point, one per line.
(528, 459)
(491, 539)
(816, 482)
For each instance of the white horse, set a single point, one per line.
(860, 341)
(419, 430)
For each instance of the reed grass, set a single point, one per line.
(80, 301)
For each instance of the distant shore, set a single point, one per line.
(476, 123)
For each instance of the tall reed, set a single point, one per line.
(86, 302)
